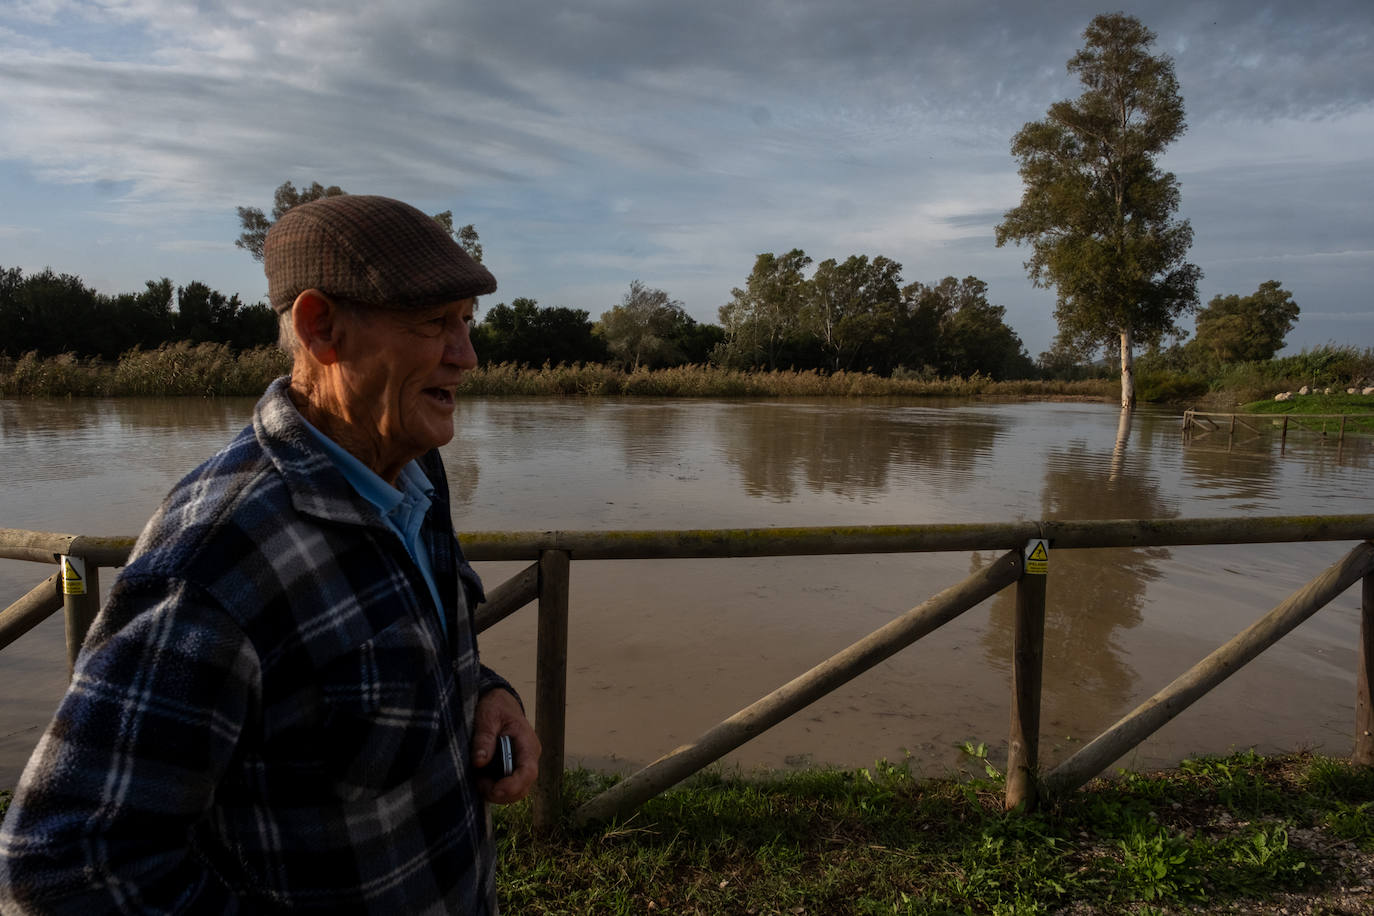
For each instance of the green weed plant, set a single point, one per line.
(1217, 832)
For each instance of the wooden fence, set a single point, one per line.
(1340, 425)
(1025, 564)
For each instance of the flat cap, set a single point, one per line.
(372, 250)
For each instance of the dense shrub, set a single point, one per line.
(1170, 387)
(62, 375)
(1324, 367)
(204, 369)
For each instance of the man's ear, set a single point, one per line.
(318, 325)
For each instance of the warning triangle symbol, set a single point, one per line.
(1039, 552)
(69, 573)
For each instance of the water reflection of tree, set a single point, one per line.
(650, 433)
(1243, 480)
(78, 438)
(1313, 475)
(39, 418)
(1091, 594)
(460, 455)
(464, 474)
(851, 450)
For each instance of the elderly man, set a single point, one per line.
(281, 707)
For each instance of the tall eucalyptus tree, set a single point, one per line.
(1097, 211)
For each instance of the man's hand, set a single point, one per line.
(499, 713)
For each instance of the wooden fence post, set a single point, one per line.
(1027, 668)
(80, 602)
(1364, 689)
(551, 685)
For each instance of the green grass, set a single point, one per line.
(1315, 403)
(1241, 833)
(1237, 833)
(1358, 409)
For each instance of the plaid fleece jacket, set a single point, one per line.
(266, 716)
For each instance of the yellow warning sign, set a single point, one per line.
(1037, 557)
(73, 576)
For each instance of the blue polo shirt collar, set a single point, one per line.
(403, 506)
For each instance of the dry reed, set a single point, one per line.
(211, 369)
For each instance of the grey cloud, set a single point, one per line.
(1314, 55)
(186, 245)
(1000, 63)
(982, 219)
(1256, 65)
(1298, 210)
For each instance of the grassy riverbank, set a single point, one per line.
(1238, 834)
(1315, 404)
(210, 370)
(715, 382)
(1358, 410)
(182, 369)
(214, 370)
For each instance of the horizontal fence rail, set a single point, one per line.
(794, 542)
(546, 582)
(719, 543)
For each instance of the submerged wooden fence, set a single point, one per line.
(1200, 423)
(1025, 564)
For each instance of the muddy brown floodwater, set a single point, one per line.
(659, 651)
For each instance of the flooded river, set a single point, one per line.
(660, 651)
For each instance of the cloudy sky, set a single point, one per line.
(593, 143)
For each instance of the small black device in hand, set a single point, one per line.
(502, 762)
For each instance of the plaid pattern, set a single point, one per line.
(267, 716)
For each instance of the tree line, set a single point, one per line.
(851, 315)
(858, 315)
(50, 313)
(841, 319)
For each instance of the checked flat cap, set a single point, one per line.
(372, 250)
